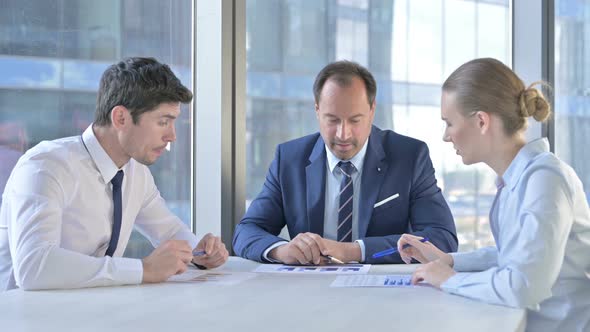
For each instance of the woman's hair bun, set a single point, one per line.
(533, 103)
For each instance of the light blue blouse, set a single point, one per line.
(541, 223)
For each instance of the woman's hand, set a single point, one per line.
(423, 252)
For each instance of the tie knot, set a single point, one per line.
(117, 179)
(346, 167)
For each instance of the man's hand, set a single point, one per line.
(215, 252)
(424, 252)
(344, 251)
(168, 259)
(434, 273)
(305, 248)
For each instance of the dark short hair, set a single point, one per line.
(342, 72)
(140, 85)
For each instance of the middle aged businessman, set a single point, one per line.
(348, 191)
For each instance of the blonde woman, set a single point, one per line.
(540, 217)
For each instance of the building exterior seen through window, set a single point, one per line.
(52, 54)
(572, 86)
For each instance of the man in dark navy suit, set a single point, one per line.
(348, 191)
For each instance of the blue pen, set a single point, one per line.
(199, 252)
(393, 250)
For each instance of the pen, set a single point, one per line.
(199, 252)
(333, 259)
(394, 250)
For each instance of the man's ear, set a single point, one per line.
(372, 112)
(120, 117)
(483, 121)
(317, 111)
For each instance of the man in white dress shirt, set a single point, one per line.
(70, 204)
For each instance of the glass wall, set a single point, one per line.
(52, 54)
(572, 86)
(409, 46)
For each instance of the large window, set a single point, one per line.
(52, 54)
(572, 86)
(409, 46)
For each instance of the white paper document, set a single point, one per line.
(373, 281)
(217, 277)
(314, 269)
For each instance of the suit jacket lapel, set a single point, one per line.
(315, 176)
(374, 170)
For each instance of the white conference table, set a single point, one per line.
(268, 302)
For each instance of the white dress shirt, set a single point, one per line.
(57, 215)
(332, 199)
(541, 223)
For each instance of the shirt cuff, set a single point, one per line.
(453, 283)
(460, 261)
(362, 245)
(128, 271)
(187, 236)
(265, 253)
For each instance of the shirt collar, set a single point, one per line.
(523, 158)
(106, 166)
(357, 160)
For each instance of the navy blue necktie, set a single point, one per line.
(345, 206)
(116, 181)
